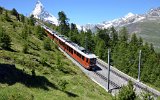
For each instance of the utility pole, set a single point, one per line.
(108, 68)
(139, 65)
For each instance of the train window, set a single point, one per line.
(82, 57)
(71, 50)
(77, 53)
(86, 59)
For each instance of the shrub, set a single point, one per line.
(5, 40)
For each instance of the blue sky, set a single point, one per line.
(85, 11)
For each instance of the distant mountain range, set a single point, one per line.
(145, 25)
(130, 18)
(40, 13)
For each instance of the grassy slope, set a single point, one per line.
(49, 79)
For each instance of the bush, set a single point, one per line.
(25, 48)
(5, 40)
(47, 44)
(43, 61)
(62, 84)
(147, 96)
(1, 10)
(127, 92)
(40, 32)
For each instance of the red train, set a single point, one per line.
(87, 60)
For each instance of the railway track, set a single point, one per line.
(116, 86)
(127, 79)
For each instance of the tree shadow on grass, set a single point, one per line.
(70, 94)
(11, 50)
(8, 49)
(10, 74)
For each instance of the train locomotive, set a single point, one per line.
(84, 58)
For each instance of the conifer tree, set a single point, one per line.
(140, 42)
(15, 13)
(31, 20)
(47, 44)
(74, 33)
(127, 92)
(22, 18)
(25, 32)
(134, 40)
(7, 18)
(5, 40)
(63, 23)
(123, 33)
(151, 47)
(147, 96)
(82, 41)
(99, 49)
(1, 10)
(25, 48)
(114, 36)
(104, 35)
(40, 32)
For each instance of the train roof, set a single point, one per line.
(73, 45)
(81, 50)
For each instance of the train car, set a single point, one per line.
(86, 59)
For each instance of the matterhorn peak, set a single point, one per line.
(40, 13)
(38, 9)
(38, 2)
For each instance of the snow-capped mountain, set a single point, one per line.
(128, 19)
(154, 12)
(39, 12)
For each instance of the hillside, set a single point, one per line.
(149, 30)
(28, 71)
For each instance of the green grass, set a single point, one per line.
(56, 77)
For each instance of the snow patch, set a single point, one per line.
(129, 15)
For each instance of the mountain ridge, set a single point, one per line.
(39, 12)
(130, 18)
